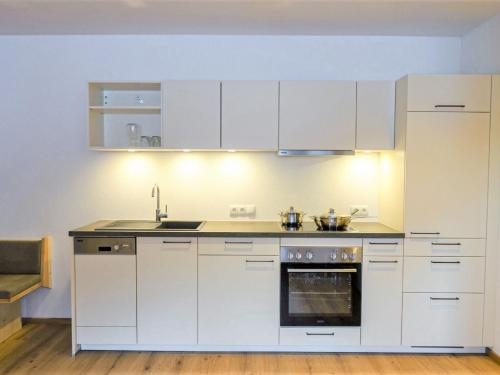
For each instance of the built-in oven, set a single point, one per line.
(320, 286)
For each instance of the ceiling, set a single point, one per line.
(250, 17)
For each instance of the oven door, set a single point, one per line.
(320, 294)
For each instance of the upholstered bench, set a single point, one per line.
(24, 267)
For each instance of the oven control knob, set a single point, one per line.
(345, 256)
(333, 255)
(298, 255)
(116, 247)
(309, 255)
(290, 256)
(352, 256)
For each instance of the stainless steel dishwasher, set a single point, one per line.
(105, 290)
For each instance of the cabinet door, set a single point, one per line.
(238, 300)
(166, 291)
(442, 319)
(463, 93)
(105, 290)
(250, 115)
(382, 300)
(317, 115)
(375, 115)
(447, 174)
(191, 114)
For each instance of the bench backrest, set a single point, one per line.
(21, 257)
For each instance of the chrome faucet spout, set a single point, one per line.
(158, 214)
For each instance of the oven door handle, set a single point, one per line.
(327, 270)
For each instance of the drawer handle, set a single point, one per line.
(238, 242)
(449, 106)
(446, 243)
(320, 334)
(259, 261)
(443, 262)
(383, 261)
(436, 233)
(444, 299)
(383, 243)
(178, 242)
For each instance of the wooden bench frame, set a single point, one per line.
(46, 273)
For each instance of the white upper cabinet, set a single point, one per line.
(464, 93)
(447, 174)
(250, 115)
(317, 115)
(191, 111)
(375, 115)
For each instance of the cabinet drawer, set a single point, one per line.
(238, 246)
(106, 335)
(383, 246)
(444, 274)
(320, 336)
(444, 247)
(467, 93)
(454, 321)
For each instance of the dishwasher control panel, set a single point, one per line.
(105, 245)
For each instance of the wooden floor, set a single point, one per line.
(44, 349)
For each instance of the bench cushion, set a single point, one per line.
(20, 257)
(10, 285)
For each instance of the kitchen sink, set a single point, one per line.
(144, 225)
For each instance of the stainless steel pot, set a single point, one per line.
(331, 221)
(291, 218)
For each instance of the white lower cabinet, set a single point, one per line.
(320, 336)
(382, 300)
(105, 291)
(238, 300)
(442, 319)
(166, 290)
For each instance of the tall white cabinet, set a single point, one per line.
(317, 115)
(443, 133)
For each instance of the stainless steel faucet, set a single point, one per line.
(159, 215)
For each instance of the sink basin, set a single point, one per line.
(144, 225)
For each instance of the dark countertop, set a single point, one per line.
(244, 229)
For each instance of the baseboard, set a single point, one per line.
(60, 321)
(494, 356)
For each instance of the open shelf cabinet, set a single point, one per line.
(114, 105)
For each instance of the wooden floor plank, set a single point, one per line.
(44, 349)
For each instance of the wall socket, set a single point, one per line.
(363, 210)
(242, 210)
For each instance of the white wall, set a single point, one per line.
(481, 48)
(51, 182)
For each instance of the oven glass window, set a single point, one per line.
(320, 294)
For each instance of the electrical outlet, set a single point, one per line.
(362, 210)
(242, 210)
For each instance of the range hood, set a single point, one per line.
(314, 152)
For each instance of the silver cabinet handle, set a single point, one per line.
(383, 243)
(444, 298)
(259, 261)
(327, 270)
(320, 334)
(238, 242)
(178, 242)
(421, 233)
(443, 262)
(383, 261)
(446, 243)
(449, 106)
